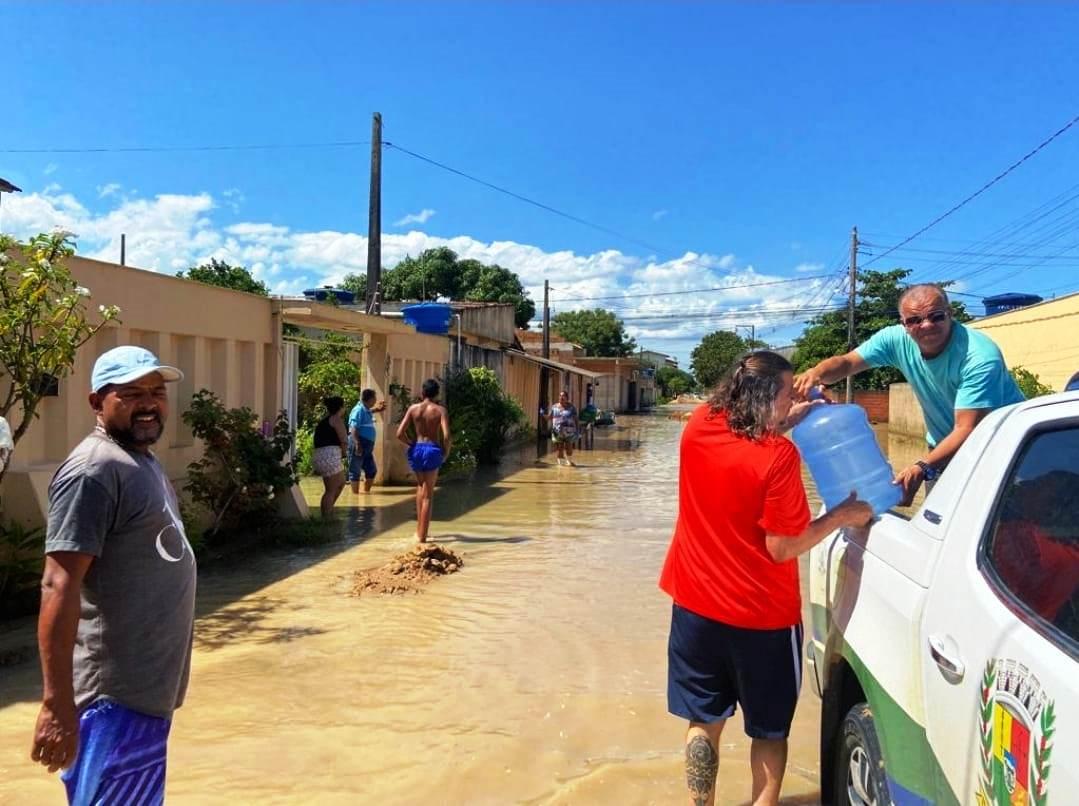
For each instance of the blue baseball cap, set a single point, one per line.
(126, 364)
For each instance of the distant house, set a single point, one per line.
(561, 350)
(1039, 337)
(623, 385)
(657, 360)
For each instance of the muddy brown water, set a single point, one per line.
(535, 675)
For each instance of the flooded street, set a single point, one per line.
(535, 675)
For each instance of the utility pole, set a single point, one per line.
(853, 281)
(541, 443)
(123, 249)
(752, 331)
(546, 319)
(374, 221)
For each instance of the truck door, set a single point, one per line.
(1000, 632)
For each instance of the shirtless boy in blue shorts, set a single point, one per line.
(429, 450)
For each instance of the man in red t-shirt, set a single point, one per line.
(743, 519)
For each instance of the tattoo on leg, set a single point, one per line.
(702, 764)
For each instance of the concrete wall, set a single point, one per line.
(492, 321)
(522, 383)
(1041, 338)
(904, 412)
(875, 404)
(223, 340)
(407, 360)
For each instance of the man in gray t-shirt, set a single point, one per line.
(118, 594)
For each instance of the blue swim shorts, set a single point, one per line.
(423, 457)
(121, 757)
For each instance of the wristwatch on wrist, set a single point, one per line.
(928, 470)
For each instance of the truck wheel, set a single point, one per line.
(859, 765)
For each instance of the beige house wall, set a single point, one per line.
(1042, 338)
(223, 340)
(905, 412)
(523, 385)
(405, 360)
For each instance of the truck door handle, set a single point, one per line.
(951, 665)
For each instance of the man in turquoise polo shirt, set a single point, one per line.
(957, 373)
(361, 441)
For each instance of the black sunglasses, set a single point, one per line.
(934, 317)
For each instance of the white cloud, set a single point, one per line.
(667, 304)
(50, 169)
(660, 214)
(104, 191)
(234, 198)
(422, 217)
(809, 268)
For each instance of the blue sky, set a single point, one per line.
(738, 142)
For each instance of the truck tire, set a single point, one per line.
(859, 765)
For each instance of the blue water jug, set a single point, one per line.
(842, 453)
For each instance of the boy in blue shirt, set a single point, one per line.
(957, 373)
(361, 441)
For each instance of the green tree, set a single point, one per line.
(328, 370)
(43, 322)
(496, 284)
(876, 307)
(440, 273)
(1029, 383)
(716, 353)
(218, 272)
(357, 284)
(673, 382)
(599, 331)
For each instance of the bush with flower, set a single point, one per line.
(243, 467)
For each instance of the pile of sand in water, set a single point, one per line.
(408, 572)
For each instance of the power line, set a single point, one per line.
(980, 190)
(738, 313)
(658, 250)
(548, 208)
(171, 149)
(963, 253)
(692, 290)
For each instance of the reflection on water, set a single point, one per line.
(536, 675)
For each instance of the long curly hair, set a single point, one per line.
(748, 393)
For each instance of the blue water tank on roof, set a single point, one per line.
(1000, 303)
(429, 317)
(342, 296)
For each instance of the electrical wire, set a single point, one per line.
(173, 149)
(692, 290)
(512, 194)
(955, 208)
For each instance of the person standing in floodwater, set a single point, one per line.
(329, 447)
(428, 451)
(732, 571)
(360, 454)
(564, 427)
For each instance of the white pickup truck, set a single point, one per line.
(945, 647)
